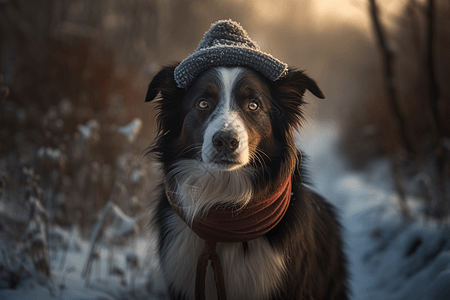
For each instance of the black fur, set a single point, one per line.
(309, 235)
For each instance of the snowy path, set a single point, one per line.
(389, 259)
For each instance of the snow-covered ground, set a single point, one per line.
(67, 282)
(388, 258)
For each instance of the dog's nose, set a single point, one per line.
(226, 141)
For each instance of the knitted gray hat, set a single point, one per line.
(227, 44)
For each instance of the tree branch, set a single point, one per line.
(388, 56)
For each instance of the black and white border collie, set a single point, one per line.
(226, 139)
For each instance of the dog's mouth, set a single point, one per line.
(225, 164)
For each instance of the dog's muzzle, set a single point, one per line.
(225, 142)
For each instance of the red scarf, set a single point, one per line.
(234, 226)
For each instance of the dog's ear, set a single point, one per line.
(162, 82)
(299, 82)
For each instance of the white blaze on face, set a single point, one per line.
(226, 117)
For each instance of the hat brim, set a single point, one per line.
(227, 56)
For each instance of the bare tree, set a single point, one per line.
(388, 57)
(433, 161)
(440, 152)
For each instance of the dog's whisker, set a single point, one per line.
(197, 146)
(258, 155)
(257, 158)
(259, 151)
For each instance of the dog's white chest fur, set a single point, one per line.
(254, 275)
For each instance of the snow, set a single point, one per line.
(389, 258)
(67, 282)
(122, 226)
(137, 175)
(52, 154)
(131, 130)
(87, 131)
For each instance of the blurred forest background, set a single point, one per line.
(74, 126)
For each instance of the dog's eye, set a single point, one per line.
(203, 104)
(253, 105)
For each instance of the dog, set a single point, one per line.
(227, 141)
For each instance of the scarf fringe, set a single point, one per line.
(209, 253)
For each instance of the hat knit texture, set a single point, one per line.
(227, 44)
